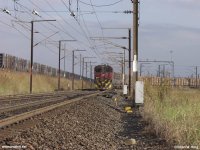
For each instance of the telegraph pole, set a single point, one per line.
(135, 46)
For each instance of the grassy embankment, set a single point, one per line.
(18, 83)
(174, 113)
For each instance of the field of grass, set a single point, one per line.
(174, 113)
(12, 82)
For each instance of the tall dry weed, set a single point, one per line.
(12, 82)
(173, 113)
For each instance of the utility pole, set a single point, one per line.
(83, 68)
(59, 59)
(158, 70)
(164, 71)
(59, 66)
(86, 69)
(124, 73)
(129, 63)
(90, 74)
(82, 72)
(31, 65)
(135, 46)
(140, 69)
(72, 70)
(129, 49)
(172, 62)
(64, 60)
(196, 68)
(73, 67)
(80, 65)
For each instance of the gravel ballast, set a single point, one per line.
(95, 123)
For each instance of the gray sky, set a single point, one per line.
(165, 25)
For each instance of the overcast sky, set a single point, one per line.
(165, 25)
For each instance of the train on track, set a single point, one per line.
(105, 78)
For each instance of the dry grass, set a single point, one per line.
(174, 113)
(18, 83)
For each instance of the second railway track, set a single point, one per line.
(12, 100)
(13, 114)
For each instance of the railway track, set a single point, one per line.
(93, 123)
(14, 114)
(15, 99)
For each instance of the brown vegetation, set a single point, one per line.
(174, 113)
(12, 82)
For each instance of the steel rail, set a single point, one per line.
(25, 96)
(39, 102)
(29, 104)
(17, 118)
(26, 99)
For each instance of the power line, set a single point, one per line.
(25, 35)
(95, 50)
(15, 29)
(88, 39)
(98, 21)
(27, 27)
(68, 23)
(106, 5)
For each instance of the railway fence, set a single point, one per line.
(177, 82)
(191, 82)
(14, 63)
(9, 62)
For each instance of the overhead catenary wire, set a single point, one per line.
(86, 36)
(69, 24)
(63, 31)
(25, 26)
(52, 23)
(101, 28)
(62, 19)
(79, 26)
(25, 35)
(106, 5)
(29, 12)
(93, 46)
(15, 29)
(39, 8)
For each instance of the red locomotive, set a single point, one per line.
(103, 75)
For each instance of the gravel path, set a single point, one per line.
(90, 124)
